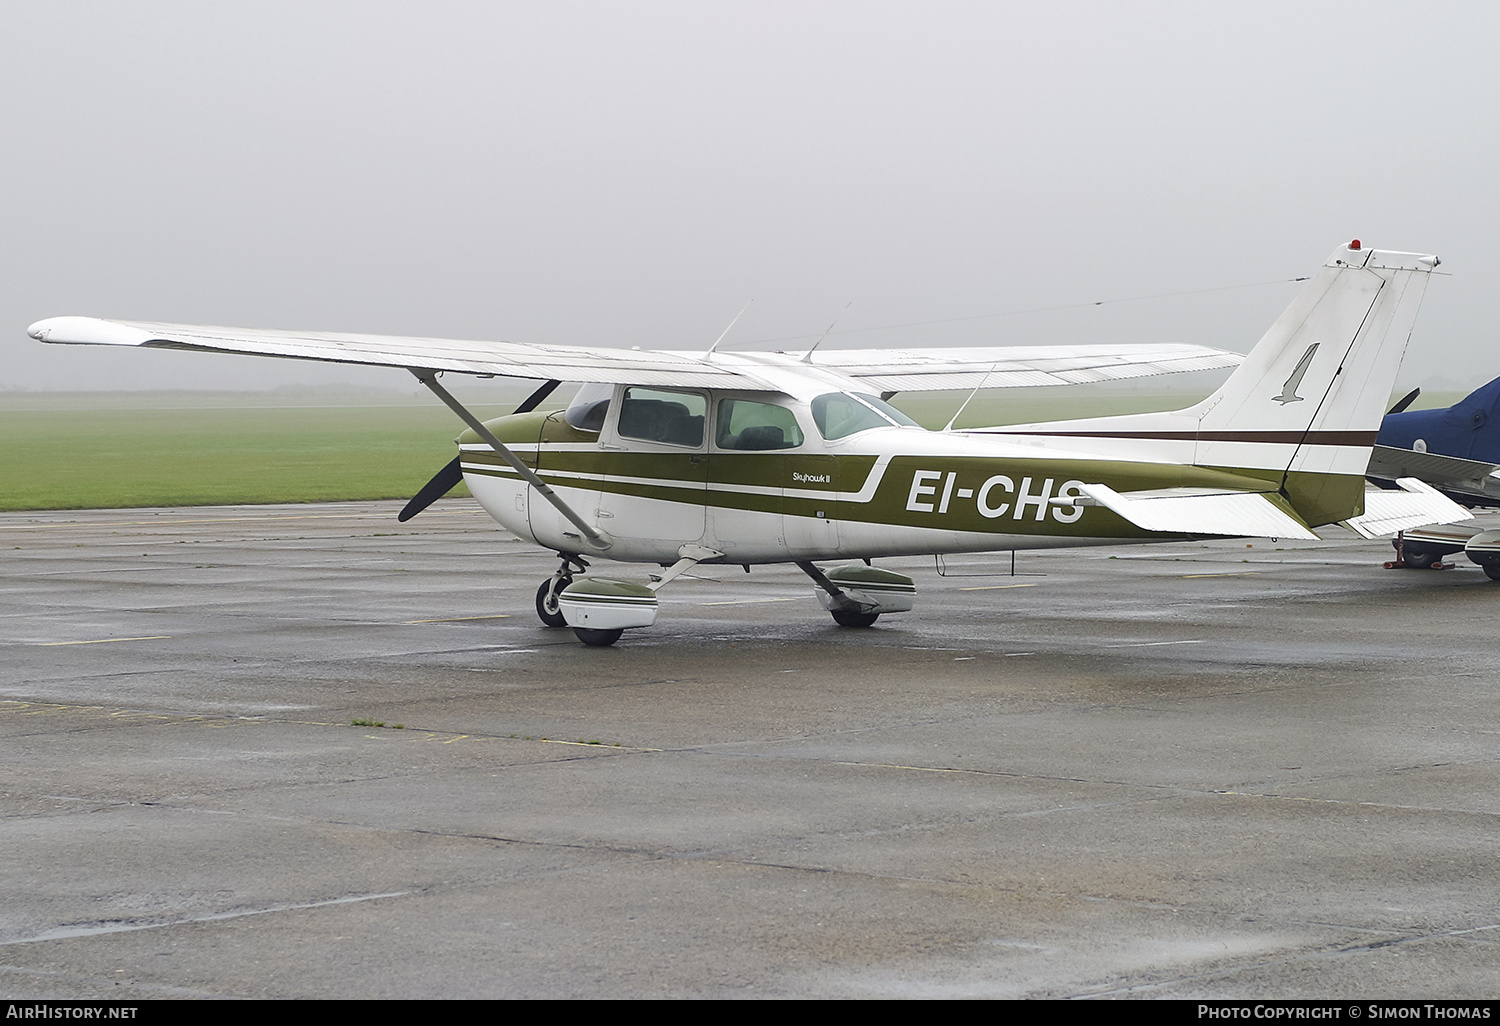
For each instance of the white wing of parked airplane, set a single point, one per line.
(1450, 473)
(917, 370)
(877, 370)
(1415, 505)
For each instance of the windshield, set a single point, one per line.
(586, 411)
(839, 414)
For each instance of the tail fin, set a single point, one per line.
(1324, 370)
(1303, 410)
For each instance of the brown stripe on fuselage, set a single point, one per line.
(1360, 439)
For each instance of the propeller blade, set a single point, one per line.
(534, 400)
(1404, 402)
(444, 480)
(441, 484)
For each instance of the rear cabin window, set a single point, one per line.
(750, 426)
(654, 415)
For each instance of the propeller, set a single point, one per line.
(441, 484)
(444, 480)
(1404, 402)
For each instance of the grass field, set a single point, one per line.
(112, 450)
(117, 455)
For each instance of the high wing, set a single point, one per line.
(503, 359)
(918, 370)
(1473, 479)
(879, 370)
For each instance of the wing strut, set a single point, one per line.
(429, 378)
(445, 480)
(841, 600)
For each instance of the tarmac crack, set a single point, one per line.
(129, 926)
(1312, 956)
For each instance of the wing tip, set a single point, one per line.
(86, 331)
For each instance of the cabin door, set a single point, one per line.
(654, 463)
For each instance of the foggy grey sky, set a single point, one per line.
(632, 173)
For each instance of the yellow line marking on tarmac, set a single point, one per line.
(223, 520)
(103, 641)
(999, 587)
(895, 765)
(456, 619)
(385, 733)
(607, 746)
(750, 602)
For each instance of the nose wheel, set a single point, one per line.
(547, 608)
(546, 601)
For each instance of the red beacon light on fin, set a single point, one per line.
(1354, 244)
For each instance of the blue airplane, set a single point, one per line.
(1457, 451)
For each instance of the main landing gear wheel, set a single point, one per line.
(597, 639)
(1419, 558)
(844, 618)
(546, 601)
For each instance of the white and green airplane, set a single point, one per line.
(676, 458)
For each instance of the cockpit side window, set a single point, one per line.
(839, 414)
(656, 415)
(750, 426)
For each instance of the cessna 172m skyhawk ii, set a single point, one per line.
(677, 459)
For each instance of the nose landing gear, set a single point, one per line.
(546, 601)
(547, 607)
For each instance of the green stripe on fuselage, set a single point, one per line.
(823, 485)
(896, 500)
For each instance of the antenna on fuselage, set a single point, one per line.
(807, 357)
(726, 330)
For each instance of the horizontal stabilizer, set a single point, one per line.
(1201, 511)
(1469, 477)
(1387, 512)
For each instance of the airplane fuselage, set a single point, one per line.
(884, 491)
